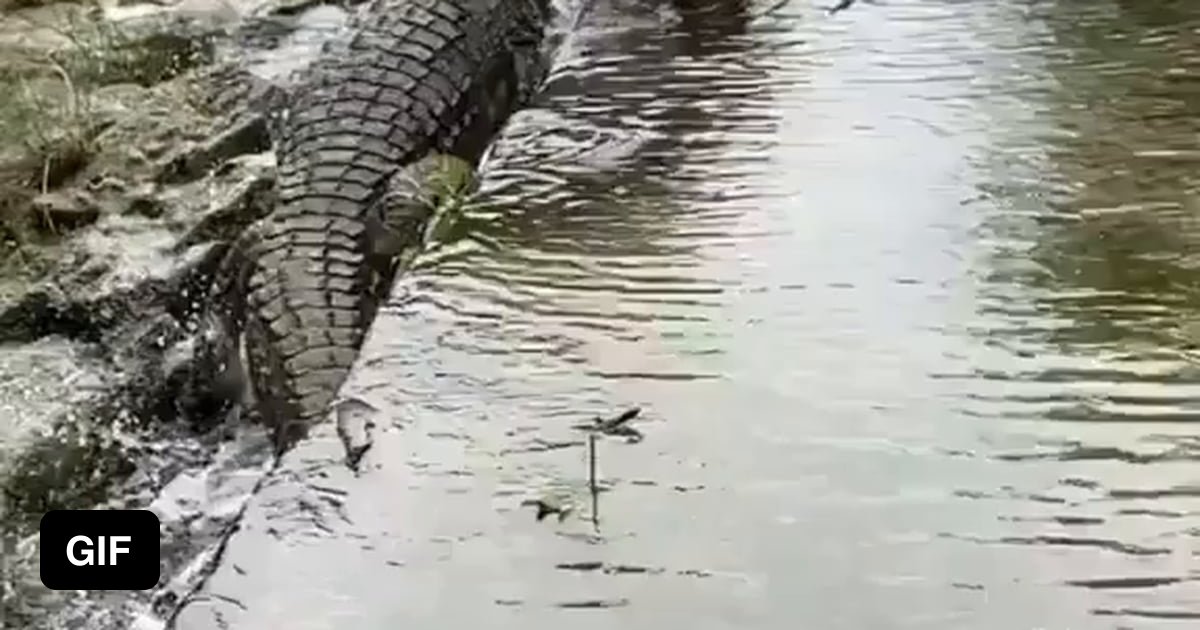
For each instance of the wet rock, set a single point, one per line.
(44, 311)
(290, 7)
(78, 440)
(106, 183)
(75, 445)
(84, 301)
(245, 134)
(142, 124)
(134, 252)
(146, 205)
(69, 468)
(99, 443)
(57, 211)
(164, 54)
(38, 381)
(231, 88)
(250, 195)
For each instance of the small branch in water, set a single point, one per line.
(615, 426)
(842, 5)
(546, 508)
(592, 481)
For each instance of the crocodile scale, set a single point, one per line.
(301, 287)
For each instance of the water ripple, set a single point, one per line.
(908, 295)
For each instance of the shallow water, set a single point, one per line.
(909, 297)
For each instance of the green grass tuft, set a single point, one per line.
(48, 103)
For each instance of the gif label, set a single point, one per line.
(100, 549)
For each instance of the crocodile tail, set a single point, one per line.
(276, 406)
(293, 392)
(310, 300)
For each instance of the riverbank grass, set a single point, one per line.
(50, 110)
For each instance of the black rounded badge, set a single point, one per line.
(100, 550)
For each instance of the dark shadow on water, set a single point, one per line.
(644, 109)
(1093, 286)
(1113, 265)
(713, 26)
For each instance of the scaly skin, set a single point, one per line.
(301, 288)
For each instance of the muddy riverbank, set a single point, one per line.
(108, 256)
(134, 145)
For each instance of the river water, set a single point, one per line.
(909, 296)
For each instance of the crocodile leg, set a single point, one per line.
(235, 89)
(396, 223)
(219, 378)
(393, 227)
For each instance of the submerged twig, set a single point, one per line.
(547, 506)
(615, 426)
(592, 481)
(842, 5)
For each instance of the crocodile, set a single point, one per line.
(298, 290)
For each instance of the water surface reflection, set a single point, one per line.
(908, 294)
